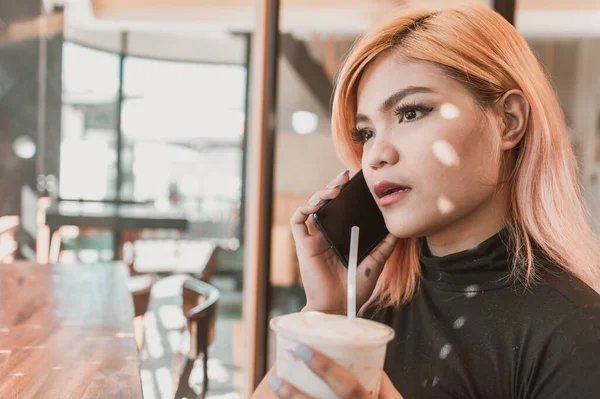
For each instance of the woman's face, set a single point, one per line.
(424, 131)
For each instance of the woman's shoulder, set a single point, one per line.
(576, 293)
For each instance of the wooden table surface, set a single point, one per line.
(66, 331)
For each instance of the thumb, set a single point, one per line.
(385, 248)
(387, 390)
(372, 266)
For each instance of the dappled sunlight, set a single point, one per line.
(460, 322)
(184, 347)
(171, 317)
(445, 205)
(169, 286)
(445, 351)
(471, 291)
(445, 153)
(148, 384)
(449, 111)
(216, 372)
(4, 355)
(99, 338)
(230, 395)
(174, 338)
(164, 380)
(155, 349)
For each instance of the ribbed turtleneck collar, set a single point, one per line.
(483, 267)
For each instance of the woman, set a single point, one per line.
(490, 268)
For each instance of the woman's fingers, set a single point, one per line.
(300, 217)
(332, 189)
(285, 390)
(340, 380)
(340, 179)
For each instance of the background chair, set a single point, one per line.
(140, 288)
(200, 310)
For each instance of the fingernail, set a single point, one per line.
(275, 382)
(304, 353)
(343, 173)
(334, 186)
(314, 203)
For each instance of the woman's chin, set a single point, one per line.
(404, 230)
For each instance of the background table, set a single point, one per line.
(66, 331)
(115, 217)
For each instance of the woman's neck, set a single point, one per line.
(472, 229)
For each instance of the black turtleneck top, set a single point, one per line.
(473, 332)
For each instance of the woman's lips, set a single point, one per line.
(394, 197)
(385, 189)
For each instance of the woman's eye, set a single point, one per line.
(412, 113)
(361, 135)
(366, 135)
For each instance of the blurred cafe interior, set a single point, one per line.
(152, 154)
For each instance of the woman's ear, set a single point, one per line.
(514, 108)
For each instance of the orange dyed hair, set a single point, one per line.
(482, 51)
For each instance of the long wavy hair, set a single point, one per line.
(482, 51)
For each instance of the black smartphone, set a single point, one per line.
(354, 206)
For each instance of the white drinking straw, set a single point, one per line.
(352, 273)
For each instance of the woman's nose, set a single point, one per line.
(381, 153)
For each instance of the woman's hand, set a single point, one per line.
(323, 275)
(341, 381)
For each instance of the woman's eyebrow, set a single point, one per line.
(394, 99)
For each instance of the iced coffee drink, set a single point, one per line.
(359, 345)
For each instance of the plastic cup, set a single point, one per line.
(359, 345)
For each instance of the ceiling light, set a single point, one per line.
(304, 122)
(24, 147)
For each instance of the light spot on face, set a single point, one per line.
(445, 351)
(449, 111)
(436, 380)
(471, 291)
(4, 355)
(445, 205)
(460, 322)
(445, 153)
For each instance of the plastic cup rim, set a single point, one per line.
(286, 333)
